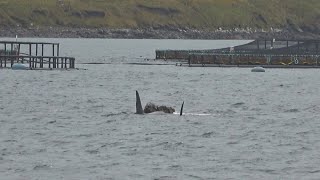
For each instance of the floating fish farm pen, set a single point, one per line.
(35, 55)
(266, 53)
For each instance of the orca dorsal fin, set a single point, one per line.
(181, 110)
(139, 109)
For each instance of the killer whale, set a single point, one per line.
(181, 110)
(139, 109)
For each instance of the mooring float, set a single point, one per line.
(19, 66)
(258, 69)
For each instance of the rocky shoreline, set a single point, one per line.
(155, 33)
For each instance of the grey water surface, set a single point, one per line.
(80, 124)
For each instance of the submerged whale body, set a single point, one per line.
(151, 108)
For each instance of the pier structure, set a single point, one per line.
(267, 53)
(38, 55)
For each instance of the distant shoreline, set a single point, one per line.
(151, 33)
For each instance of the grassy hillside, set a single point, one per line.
(201, 14)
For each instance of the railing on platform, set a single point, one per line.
(258, 52)
(39, 55)
(50, 62)
(253, 59)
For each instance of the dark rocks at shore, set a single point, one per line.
(154, 33)
(150, 108)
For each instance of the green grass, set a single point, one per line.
(201, 14)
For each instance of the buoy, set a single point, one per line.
(258, 69)
(19, 66)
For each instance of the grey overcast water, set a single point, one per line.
(80, 124)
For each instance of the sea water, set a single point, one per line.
(80, 124)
